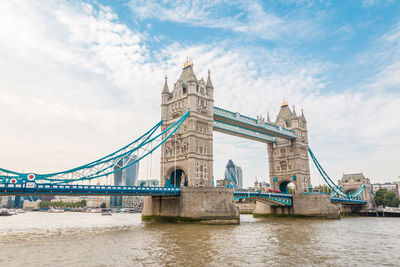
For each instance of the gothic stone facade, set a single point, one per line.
(288, 159)
(187, 157)
(352, 182)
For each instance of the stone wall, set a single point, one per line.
(195, 204)
(315, 205)
(161, 206)
(304, 205)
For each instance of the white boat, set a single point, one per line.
(20, 211)
(52, 210)
(93, 210)
(12, 212)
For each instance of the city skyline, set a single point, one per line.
(72, 71)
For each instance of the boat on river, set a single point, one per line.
(12, 212)
(52, 210)
(5, 213)
(106, 212)
(93, 210)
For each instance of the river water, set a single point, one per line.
(82, 239)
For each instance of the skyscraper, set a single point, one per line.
(124, 177)
(132, 172)
(234, 174)
(239, 173)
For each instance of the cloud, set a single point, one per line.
(246, 17)
(374, 3)
(384, 59)
(70, 84)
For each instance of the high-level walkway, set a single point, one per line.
(236, 124)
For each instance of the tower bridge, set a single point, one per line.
(189, 118)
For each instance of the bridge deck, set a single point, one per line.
(52, 189)
(348, 201)
(274, 199)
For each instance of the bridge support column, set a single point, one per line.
(352, 209)
(303, 206)
(264, 209)
(315, 206)
(206, 205)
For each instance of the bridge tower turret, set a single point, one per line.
(288, 159)
(187, 157)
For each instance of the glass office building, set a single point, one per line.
(234, 174)
(125, 177)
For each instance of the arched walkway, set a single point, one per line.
(175, 178)
(287, 187)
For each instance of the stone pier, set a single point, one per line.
(303, 206)
(205, 205)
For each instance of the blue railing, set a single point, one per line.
(348, 200)
(276, 199)
(57, 189)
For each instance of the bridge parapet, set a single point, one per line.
(68, 189)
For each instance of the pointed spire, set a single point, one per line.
(268, 119)
(209, 83)
(187, 63)
(165, 88)
(294, 112)
(302, 116)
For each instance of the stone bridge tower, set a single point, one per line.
(288, 159)
(350, 183)
(187, 157)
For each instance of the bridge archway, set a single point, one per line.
(285, 187)
(350, 190)
(177, 177)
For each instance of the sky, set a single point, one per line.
(80, 79)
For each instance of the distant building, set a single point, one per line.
(239, 173)
(125, 177)
(224, 183)
(31, 205)
(388, 186)
(234, 174)
(131, 201)
(261, 185)
(150, 182)
(132, 172)
(96, 201)
(128, 175)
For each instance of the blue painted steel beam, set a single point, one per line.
(235, 118)
(105, 190)
(278, 198)
(239, 131)
(348, 201)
